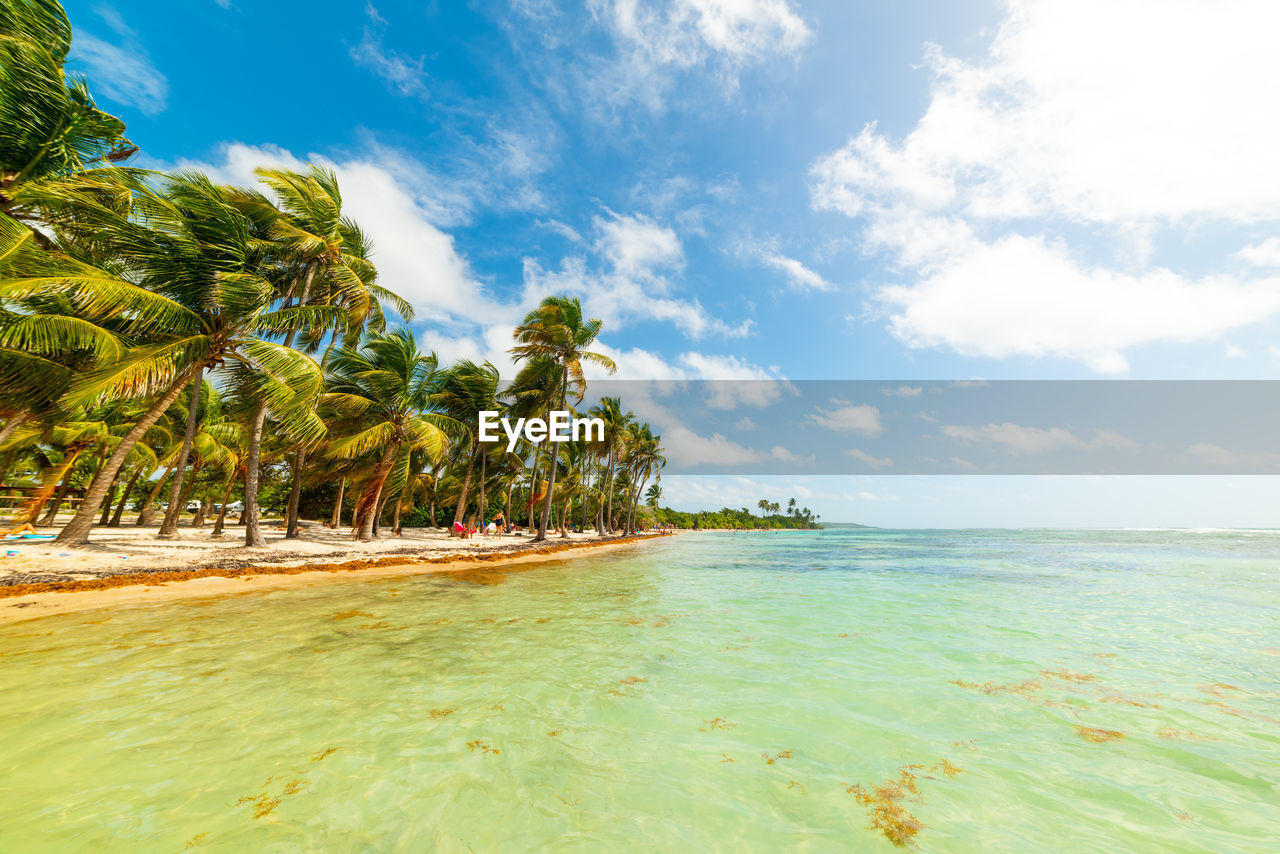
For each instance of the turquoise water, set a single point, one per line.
(1054, 691)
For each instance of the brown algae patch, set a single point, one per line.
(771, 759)
(479, 745)
(348, 615)
(443, 713)
(885, 803)
(1069, 676)
(1182, 735)
(716, 723)
(1097, 735)
(316, 757)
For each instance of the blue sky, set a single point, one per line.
(764, 188)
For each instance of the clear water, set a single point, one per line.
(595, 705)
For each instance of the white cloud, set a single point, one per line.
(414, 258)
(1264, 254)
(846, 417)
(122, 72)
(745, 424)
(640, 255)
(687, 33)
(872, 461)
(405, 75)
(1020, 439)
(1062, 138)
(800, 276)
(904, 391)
(637, 246)
(1235, 352)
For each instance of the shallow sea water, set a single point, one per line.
(1088, 691)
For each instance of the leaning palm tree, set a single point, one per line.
(325, 258)
(193, 295)
(467, 390)
(379, 400)
(557, 332)
(49, 125)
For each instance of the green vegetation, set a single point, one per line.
(742, 519)
(167, 342)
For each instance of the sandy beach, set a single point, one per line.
(130, 565)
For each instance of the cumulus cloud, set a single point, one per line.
(1264, 254)
(867, 459)
(994, 205)
(1020, 439)
(845, 417)
(415, 258)
(903, 391)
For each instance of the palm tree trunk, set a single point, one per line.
(506, 516)
(77, 530)
(370, 503)
(252, 530)
(555, 454)
(483, 504)
(191, 487)
(337, 505)
(64, 483)
(295, 494)
(169, 526)
(12, 425)
(608, 515)
(395, 519)
(124, 499)
(466, 482)
(565, 521)
(435, 486)
(148, 512)
(222, 506)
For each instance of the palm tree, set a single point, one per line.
(616, 422)
(556, 331)
(381, 394)
(467, 390)
(325, 258)
(192, 293)
(49, 126)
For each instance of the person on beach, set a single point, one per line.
(500, 520)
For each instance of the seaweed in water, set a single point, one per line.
(1069, 676)
(1098, 736)
(497, 708)
(726, 758)
(555, 733)
(631, 680)
(781, 754)
(1182, 735)
(716, 723)
(323, 754)
(884, 803)
(347, 615)
(443, 713)
(477, 744)
(196, 840)
(794, 785)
